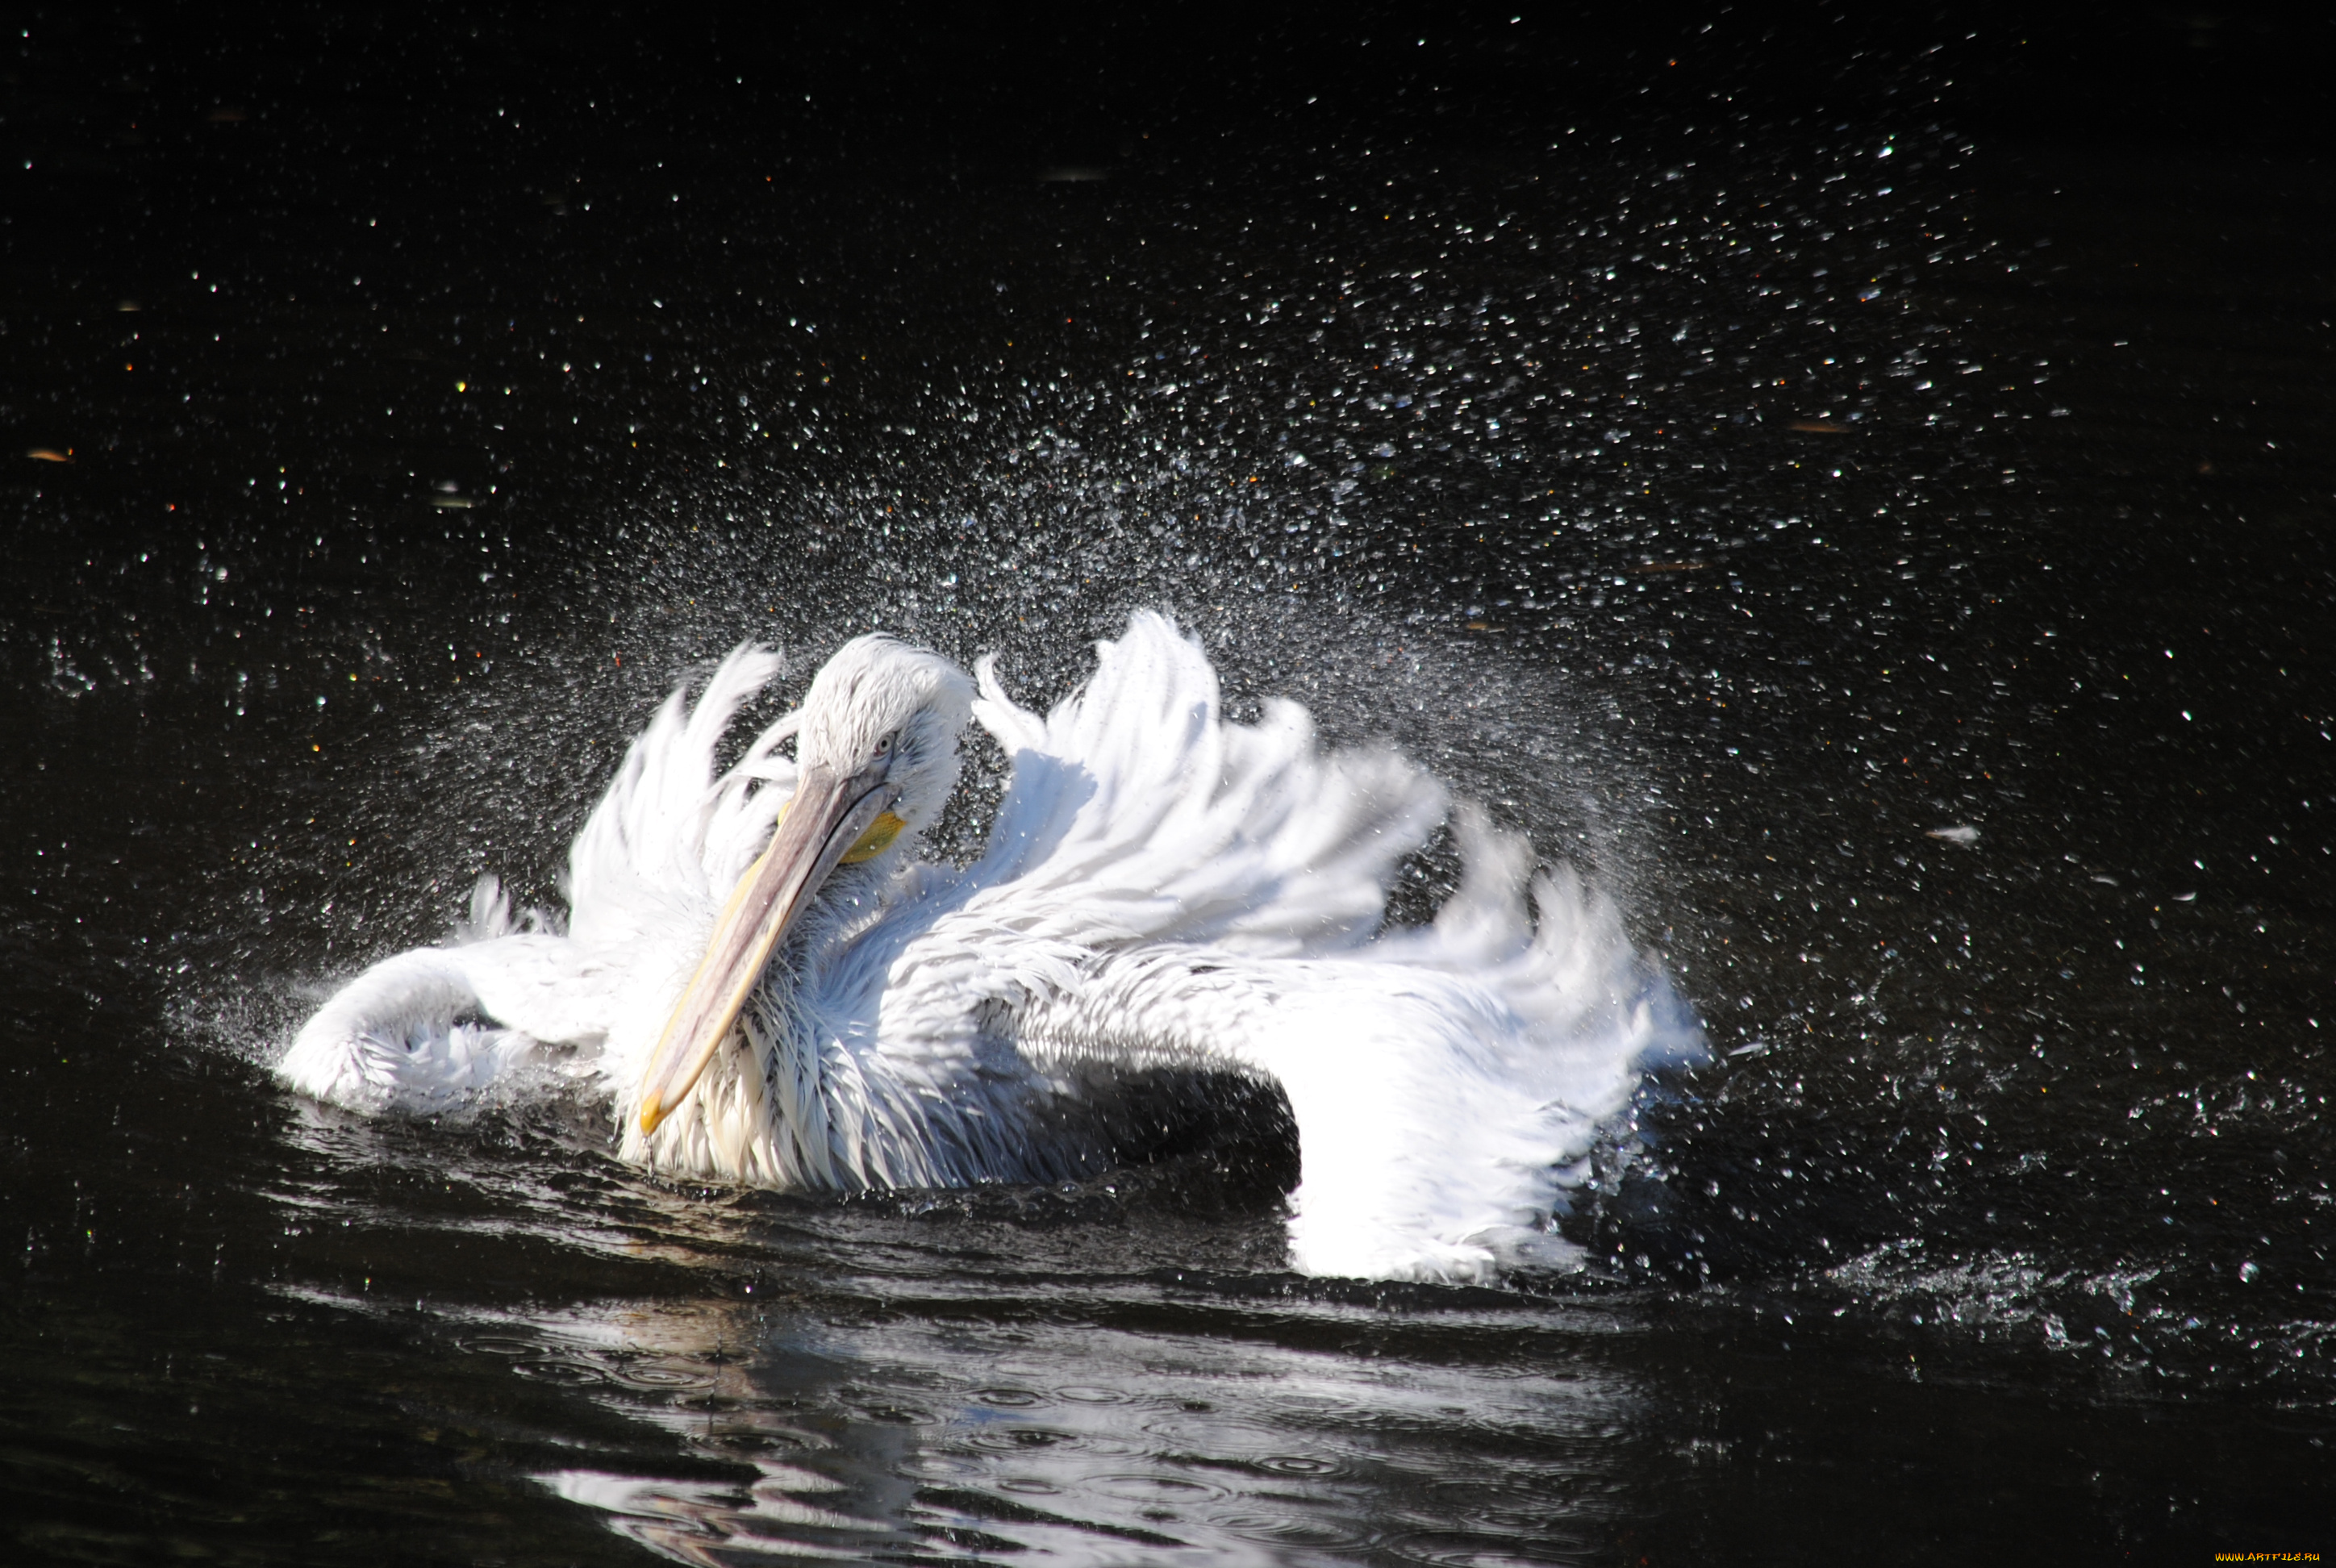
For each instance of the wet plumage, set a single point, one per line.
(1162, 889)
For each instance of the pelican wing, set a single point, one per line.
(1165, 888)
(1137, 814)
(1447, 1083)
(668, 840)
(671, 834)
(429, 1031)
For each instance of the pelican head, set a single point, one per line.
(877, 756)
(880, 705)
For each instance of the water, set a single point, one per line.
(1737, 506)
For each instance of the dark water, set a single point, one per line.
(1734, 494)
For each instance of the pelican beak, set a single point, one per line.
(831, 819)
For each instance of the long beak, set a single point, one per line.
(827, 819)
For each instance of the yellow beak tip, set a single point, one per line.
(651, 1115)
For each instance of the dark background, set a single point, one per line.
(414, 157)
(116, 118)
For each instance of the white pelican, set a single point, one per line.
(1162, 888)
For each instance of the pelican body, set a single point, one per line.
(770, 988)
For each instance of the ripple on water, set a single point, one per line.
(663, 1375)
(1007, 1398)
(940, 1465)
(1158, 1490)
(494, 1347)
(1089, 1394)
(1447, 1549)
(882, 1405)
(896, 1415)
(1280, 1528)
(1520, 1506)
(1021, 1439)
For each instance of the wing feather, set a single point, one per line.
(642, 878)
(670, 831)
(1163, 887)
(1138, 813)
(1447, 1084)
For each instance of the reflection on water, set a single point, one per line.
(858, 1388)
(1081, 1439)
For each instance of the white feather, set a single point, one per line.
(1163, 888)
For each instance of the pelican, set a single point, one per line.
(769, 987)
